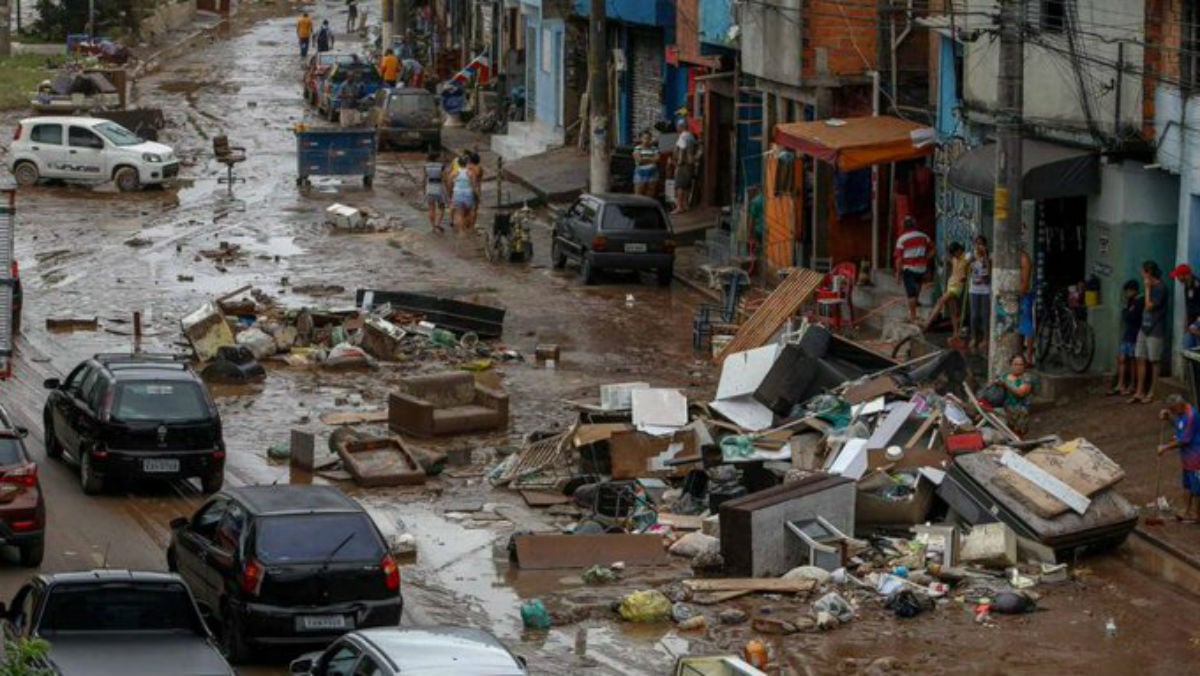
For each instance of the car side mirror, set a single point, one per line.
(52, 383)
(22, 432)
(302, 665)
(179, 522)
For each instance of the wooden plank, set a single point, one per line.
(1046, 481)
(544, 498)
(681, 521)
(353, 417)
(891, 425)
(590, 434)
(541, 552)
(1079, 464)
(783, 303)
(750, 584)
(876, 387)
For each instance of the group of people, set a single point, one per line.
(684, 158)
(323, 38)
(457, 185)
(1144, 328)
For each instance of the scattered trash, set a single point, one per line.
(755, 654)
(819, 575)
(279, 450)
(600, 575)
(907, 603)
(534, 615)
(694, 623)
(836, 606)
(682, 612)
(645, 606)
(731, 616)
(1110, 628)
(1012, 603)
(693, 544)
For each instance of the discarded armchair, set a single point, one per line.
(445, 404)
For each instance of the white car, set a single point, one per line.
(90, 150)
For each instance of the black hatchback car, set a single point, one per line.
(615, 232)
(285, 565)
(135, 416)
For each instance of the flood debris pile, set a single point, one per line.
(823, 479)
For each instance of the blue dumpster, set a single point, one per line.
(336, 152)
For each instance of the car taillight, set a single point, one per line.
(252, 577)
(16, 270)
(25, 476)
(17, 133)
(599, 243)
(391, 573)
(218, 454)
(669, 246)
(23, 525)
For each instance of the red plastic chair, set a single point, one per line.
(838, 293)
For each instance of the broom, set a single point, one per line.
(1160, 501)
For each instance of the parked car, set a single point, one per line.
(138, 416)
(115, 622)
(408, 116)
(368, 77)
(430, 651)
(286, 565)
(87, 150)
(22, 505)
(318, 67)
(615, 232)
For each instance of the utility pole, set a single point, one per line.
(1006, 261)
(5, 28)
(385, 32)
(598, 97)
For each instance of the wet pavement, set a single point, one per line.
(94, 253)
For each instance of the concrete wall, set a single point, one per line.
(1052, 91)
(166, 18)
(1131, 219)
(770, 41)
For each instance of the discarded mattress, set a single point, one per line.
(456, 315)
(973, 489)
(380, 462)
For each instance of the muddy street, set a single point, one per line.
(95, 253)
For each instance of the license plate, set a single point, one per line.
(635, 248)
(160, 465)
(319, 622)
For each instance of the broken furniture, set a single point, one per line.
(783, 303)
(229, 156)
(207, 330)
(447, 313)
(822, 544)
(234, 364)
(837, 296)
(703, 323)
(380, 462)
(445, 404)
(756, 539)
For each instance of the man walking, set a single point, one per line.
(351, 15)
(1183, 417)
(324, 37)
(1149, 345)
(389, 68)
(304, 33)
(911, 259)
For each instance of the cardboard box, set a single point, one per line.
(619, 396)
(636, 454)
(871, 509)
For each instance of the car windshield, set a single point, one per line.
(118, 135)
(412, 103)
(119, 607)
(633, 217)
(367, 75)
(160, 401)
(10, 451)
(312, 538)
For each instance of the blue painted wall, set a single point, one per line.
(644, 12)
(716, 18)
(548, 94)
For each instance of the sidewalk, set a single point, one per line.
(557, 175)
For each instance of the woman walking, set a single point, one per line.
(462, 196)
(435, 191)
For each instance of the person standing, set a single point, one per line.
(684, 161)
(1131, 324)
(304, 28)
(462, 194)
(1026, 303)
(324, 37)
(1149, 346)
(980, 294)
(1183, 418)
(1191, 295)
(956, 282)
(389, 68)
(435, 190)
(412, 73)
(913, 253)
(348, 96)
(645, 166)
(351, 15)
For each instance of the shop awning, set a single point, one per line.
(857, 142)
(1049, 171)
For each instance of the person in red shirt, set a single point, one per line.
(914, 251)
(1187, 442)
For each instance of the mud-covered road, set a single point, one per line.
(95, 253)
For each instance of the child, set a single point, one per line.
(955, 283)
(1131, 321)
(1187, 442)
(980, 296)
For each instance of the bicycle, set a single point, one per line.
(1065, 330)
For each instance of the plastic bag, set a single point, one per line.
(836, 606)
(534, 615)
(908, 603)
(645, 606)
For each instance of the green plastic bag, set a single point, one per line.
(646, 606)
(534, 615)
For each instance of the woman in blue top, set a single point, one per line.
(1018, 394)
(645, 170)
(462, 195)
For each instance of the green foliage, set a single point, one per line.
(59, 18)
(25, 657)
(19, 78)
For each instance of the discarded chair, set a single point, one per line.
(836, 296)
(709, 315)
(229, 156)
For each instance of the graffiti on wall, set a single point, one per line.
(958, 213)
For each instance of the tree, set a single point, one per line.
(59, 18)
(25, 657)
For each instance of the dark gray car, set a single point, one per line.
(115, 622)
(408, 117)
(615, 232)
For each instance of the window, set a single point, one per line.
(627, 217)
(47, 133)
(229, 532)
(318, 537)
(89, 382)
(1054, 15)
(119, 135)
(78, 137)
(118, 607)
(162, 401)
(205, 523)
(1189, 46)
(93, 393)
(368, 667)
(339, 661)
(74, 384)
(10, 451)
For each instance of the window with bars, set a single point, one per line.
(1189, 46)
(1053, 16)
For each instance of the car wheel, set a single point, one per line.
(665, 275)
(588, 270)
(557, 255)
(32, 553)
(213, 482)
(26, 173)
(126, 179)
(88, 480)
(233, 644)
(54, 449)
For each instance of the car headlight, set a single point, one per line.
(152, 157)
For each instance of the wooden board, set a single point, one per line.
(713, 598)
(681, 521)
(876, 387)
(783, 303)
(590, 434)
(633, 453)
(750, 584)
(353, 417)
(1079, 464)
(544, 498)
(541, 552)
